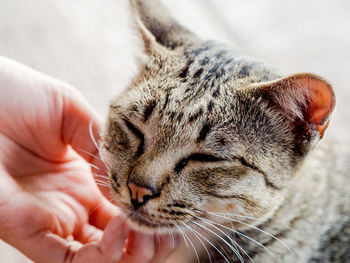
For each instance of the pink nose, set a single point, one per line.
(139, 195)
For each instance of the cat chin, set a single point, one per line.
(141, 227)
(139, 223)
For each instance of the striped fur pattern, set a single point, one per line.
(230, 156)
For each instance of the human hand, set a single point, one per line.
(50, 207)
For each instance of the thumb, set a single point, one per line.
(48, 247)
(81, 126)
(109, 249)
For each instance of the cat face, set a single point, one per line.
(204, 134)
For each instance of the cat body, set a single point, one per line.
(221, 149)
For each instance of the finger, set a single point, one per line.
(81, 126)
(164, 246)
(81, 129)
(88, 233)
(113, 240)
(48, 247)
(101, 215)
(109, 250)
(139, 248)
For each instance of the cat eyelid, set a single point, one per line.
(138, 134)
(203, 157)
(131, 127)
(199, 157)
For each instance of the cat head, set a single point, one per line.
(202, 132)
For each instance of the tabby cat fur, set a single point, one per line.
(221, 148)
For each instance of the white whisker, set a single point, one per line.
(194, 248)
(101, 156)
(102, 183)
(181, 232)
(210, 222)
(172, 244)
(99, 184)
(210, 244)
(254, 227)
(90, 154)
(234, 215)
(238, 233)
(98, 159)
(94, 166)
(243, 235)
(189, 240)
(200, 240)
(157, 238)
(101, 176)
(221, 238)
(222, 249)
(92, 136)
(233, 241)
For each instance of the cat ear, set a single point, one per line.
(157, 26)
(305, 98)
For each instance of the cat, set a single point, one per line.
(223, 150)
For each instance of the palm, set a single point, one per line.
(46, 187)
(50, 205)
(59, 197)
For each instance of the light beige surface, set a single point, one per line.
(90, 43)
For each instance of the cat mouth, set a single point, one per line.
(149, 221)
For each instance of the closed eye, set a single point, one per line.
(138, 134)
(199, 157)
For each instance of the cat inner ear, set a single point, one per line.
(305, 98)
(157, 27)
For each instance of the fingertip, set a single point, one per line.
(139, 246)
(165, 246)
(102, 214)
(114, 235)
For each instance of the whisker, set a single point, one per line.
(222, 249)
(101, 156)
(236, 244)
(98, 159)
(94, 166)
(243, 235)
(200, 240)
(228, 244)
(157, 237)
(103, 186)
(234, 215)
(101, 180)
(194, 248)
(98, 147)
(101, 176)
(254, 227)
(181, 232)
(233, 241)
(90, 154)
(225, 258)
(101, 183)
(172, 244)
(92, 135)
(95, 208)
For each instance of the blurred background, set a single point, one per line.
(91, 45)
